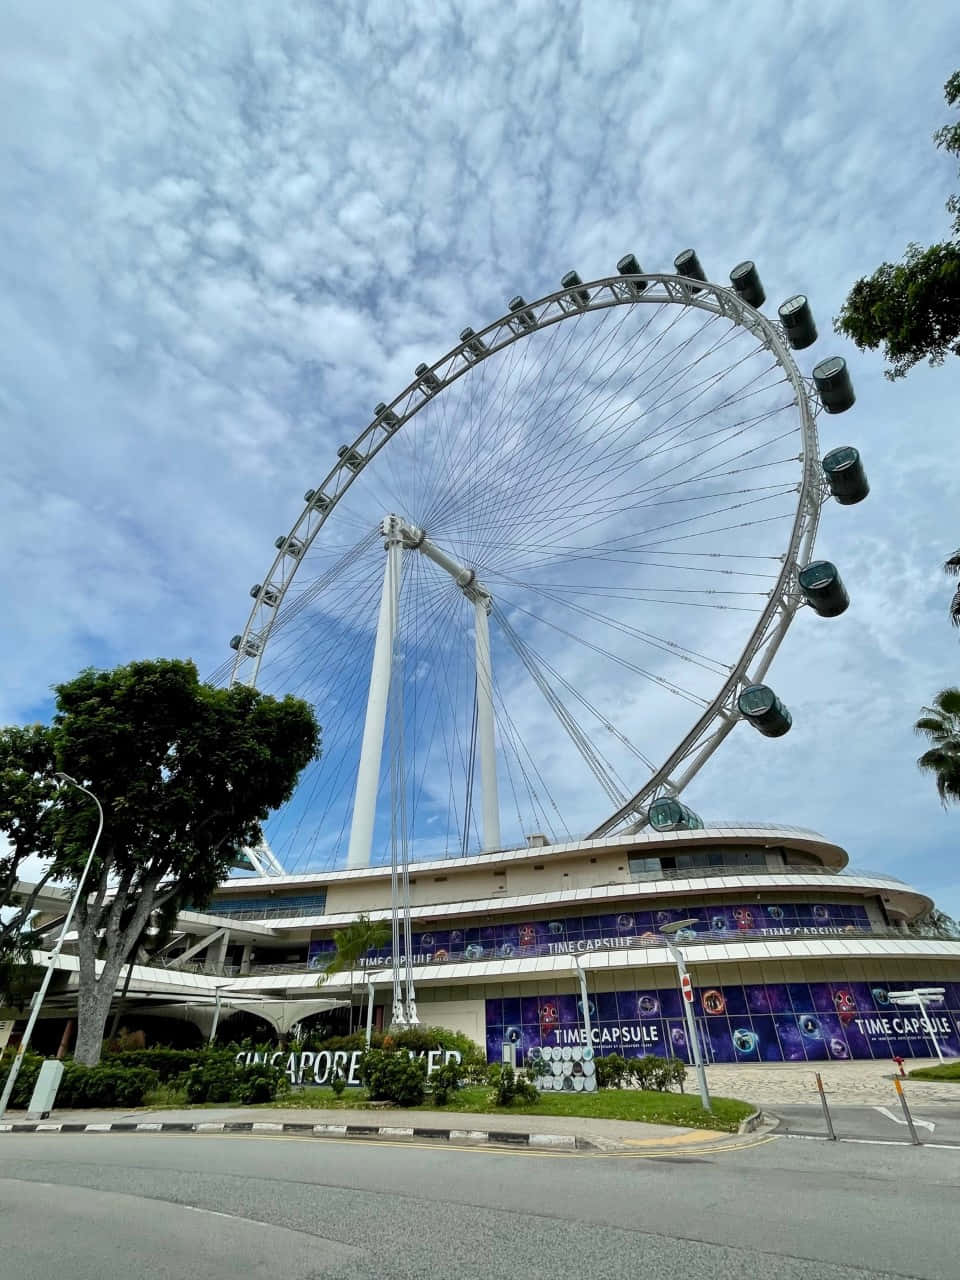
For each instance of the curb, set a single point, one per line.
(752, 1122)
(491, 1137)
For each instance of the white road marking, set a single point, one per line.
(927, 1124)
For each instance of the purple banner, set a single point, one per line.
(572, 935)
(793, 1022)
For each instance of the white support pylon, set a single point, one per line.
(371, 750)
(486, 743)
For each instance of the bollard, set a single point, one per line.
(906, 1111)
(826, 1109)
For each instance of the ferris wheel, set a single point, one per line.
(534, 593)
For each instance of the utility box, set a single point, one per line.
(509, 1055)
(45, 1090)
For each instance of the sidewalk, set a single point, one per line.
(854, 1083)
(557, 1132)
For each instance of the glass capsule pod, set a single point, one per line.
(759, 705)
(746, 281)
(688, 264)
(798, 323)
(832, 380)
(668, 814)
(629, 266)
(823, 588)
(845, 475)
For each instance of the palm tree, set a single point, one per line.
(352, 944)
(941, 724)
(952, 566)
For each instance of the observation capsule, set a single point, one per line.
(629, 266)
(318, 500)
(823, 588)
(289, 546)
(845, 475)
(350, 457)
(688, 264)
(522, 312)
(798, 323)
(668, 814)
(386, 417)
(429, 381)
(578, 294)
(476, 346)
(746, 281)
(764, 710)
(251, 647)
(833, 384)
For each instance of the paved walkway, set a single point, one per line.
(847, 1083)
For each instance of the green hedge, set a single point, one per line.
(167, 1063)
(105, 1085)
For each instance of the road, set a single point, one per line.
(158, 1206)
(885, 1124)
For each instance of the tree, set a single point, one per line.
(912, 308)
(352, 944)
(935, 922)
(27, 827)
(185, 772)
(941, 725)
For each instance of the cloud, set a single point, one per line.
(227, 232)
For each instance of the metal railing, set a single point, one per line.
(553, 950)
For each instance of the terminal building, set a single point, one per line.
(793, 955)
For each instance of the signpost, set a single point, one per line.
(686, 986)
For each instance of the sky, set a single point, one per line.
(227, 230)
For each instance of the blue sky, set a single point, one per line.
(226, 230)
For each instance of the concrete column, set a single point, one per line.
(245, 958)
(217, 954)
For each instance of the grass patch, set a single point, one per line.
(679, 1109)
(165, 1095)
(943, 1071)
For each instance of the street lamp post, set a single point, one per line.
(687, 1008)
(588, 1029)
(38, 998)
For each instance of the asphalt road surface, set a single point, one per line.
(934, 1122)
(152, 1206)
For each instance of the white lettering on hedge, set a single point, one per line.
(324, 1065)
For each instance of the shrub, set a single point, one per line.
(657, 1074)
(262, 1083)
(394, 1076)
(167, 1063)
(214, 1077)
(337, 1083)
(514, 1086)
(611, 1071)
(446, 1080)
(105, 1085)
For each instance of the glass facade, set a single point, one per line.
(787, 1022)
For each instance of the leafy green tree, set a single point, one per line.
(27, 826)
(352, 944)
(912, 308)
(941, 725)
(185, 772)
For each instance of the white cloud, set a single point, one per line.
(227, 231)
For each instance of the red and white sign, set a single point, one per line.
(686, 986)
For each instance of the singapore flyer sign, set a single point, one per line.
(310, 1068)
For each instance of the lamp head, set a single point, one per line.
(64, 778)
(677, 925)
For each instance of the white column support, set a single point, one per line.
(371, 750)
(400, 535)
(486, 743)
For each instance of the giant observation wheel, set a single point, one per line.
(541, 585)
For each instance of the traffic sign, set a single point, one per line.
(686, 986)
